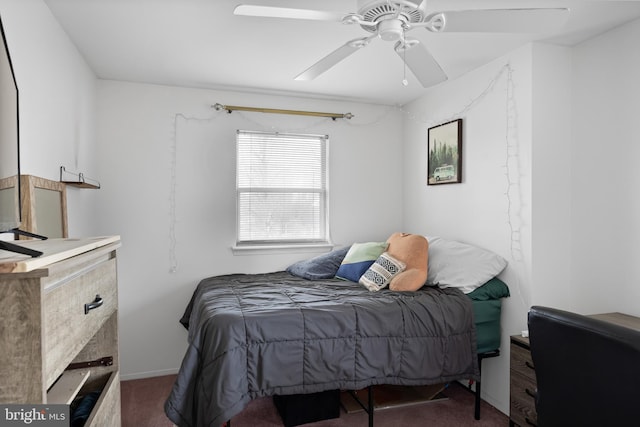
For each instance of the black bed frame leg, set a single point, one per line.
(369, 407)
(477, 412)
(478, 385)
(481, 357)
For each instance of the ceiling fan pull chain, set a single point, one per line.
(405, 82)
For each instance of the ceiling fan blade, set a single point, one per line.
(421, 63)
(285, 12)
(504, 20)
(334, 57)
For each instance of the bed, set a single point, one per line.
(487, 309)
(254, 335)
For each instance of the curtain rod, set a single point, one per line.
(230, 108)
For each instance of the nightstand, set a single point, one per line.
(522, 384)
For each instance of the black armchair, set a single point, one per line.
(587, 370)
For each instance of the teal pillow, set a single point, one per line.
(493, 289)
(359, 259)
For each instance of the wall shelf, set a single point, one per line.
(77, 179)
(81, 184)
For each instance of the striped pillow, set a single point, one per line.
(381, 272)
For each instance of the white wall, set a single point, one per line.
(551, 172)
(575, 117)
(585, 183)
(140, 127)
(490, 207)
(57, 102)
(605, 176)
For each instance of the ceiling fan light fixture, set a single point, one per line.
(391, 29)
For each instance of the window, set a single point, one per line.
(281, 184)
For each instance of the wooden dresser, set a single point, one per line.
(522, 388)
(59, 325)
(522, 384)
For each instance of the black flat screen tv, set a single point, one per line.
(9, 141)
(10, 210)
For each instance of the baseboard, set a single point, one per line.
(147, 374)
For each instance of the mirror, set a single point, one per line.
(9, 199)
(44, 207)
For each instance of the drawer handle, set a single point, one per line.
(530, 393)
(529, 365)
(95, 304)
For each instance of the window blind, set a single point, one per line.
(281, 188)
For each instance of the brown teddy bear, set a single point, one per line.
(413, 250)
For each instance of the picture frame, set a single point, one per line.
(444, 153)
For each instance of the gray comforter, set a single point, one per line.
(266, 334)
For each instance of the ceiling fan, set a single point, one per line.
(390, 20)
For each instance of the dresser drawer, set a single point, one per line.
(522, 363)
(523, 405)
(522, 386)
(106, 413)
(67, 328)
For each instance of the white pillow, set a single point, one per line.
(460, 265)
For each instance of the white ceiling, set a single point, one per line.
(200, 43)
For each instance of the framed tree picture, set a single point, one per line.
(444, 153)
